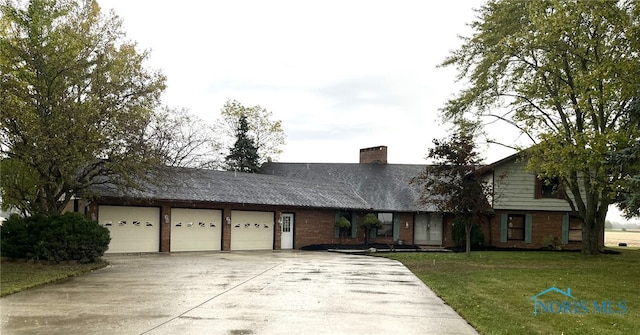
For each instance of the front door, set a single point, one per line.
(434, 229)
(286, 229)
(428, 229)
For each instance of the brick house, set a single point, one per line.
(530, 213)
(292, 205)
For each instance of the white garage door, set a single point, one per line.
(195, 229)
(251, 230)
(133, 229)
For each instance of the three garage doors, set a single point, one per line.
(137, 229)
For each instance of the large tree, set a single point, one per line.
(75, 99)
(563, 73)
(182, 139)
(454, 182)
(267, 134)
(243, 156)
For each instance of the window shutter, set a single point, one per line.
(373, 233)
(527, 228)
(503, 227)
(354, 224)
(336, 230)
(565, 229)
(396, 227)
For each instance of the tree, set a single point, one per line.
(181, 139)
(74, 102)
(563, 73)
(243, 156)
(453, 182)
(369, 223)
(626, 163)
(343, 225)
(266, 133)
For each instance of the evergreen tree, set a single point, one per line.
(243, 155)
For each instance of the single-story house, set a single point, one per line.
(293, 205)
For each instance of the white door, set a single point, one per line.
(434, 229)
(252, 230)
(286, 230)
(420, 235)
(195, 229)
(132, 229)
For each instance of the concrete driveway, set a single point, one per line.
(286, 292)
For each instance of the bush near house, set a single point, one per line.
(458, 235)
(66, 237)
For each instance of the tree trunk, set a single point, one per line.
(467, 233)
(591, 236)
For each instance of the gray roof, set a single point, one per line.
(382, 186)
(185, 184)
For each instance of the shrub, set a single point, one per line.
(370, 222)
(458, 234)
(551, 243)
(69, 236)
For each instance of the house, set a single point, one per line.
(530, 213)
(293, 205)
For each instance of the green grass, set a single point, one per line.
(16, 276)
(492, 289)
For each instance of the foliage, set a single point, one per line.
(266, 133)
(492, 287)
(69, 236)
(243, 155)
(343, 226)
(74, 102)
(453, 183)
(20, 275)
(626, 163)
(182, 140)
(458, 234)
(563, 73)
(369, 223)
(551, 243)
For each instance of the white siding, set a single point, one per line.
(515, 189)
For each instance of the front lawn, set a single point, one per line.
(493, 290)
(20, 275)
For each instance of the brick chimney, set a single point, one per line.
(377, 155)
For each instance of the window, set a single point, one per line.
(575, 229)
(515, 227)
(387, 224)
(548, 188)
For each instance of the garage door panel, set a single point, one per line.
(252, 230)
(132, 229)
(195, 229)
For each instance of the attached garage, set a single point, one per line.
(252, 230)
(196, 229)
(132, 229)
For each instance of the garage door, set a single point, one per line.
(252, 230)
(195, 229)
(133, 229)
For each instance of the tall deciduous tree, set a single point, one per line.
(182, 139)
(563, 72)
(266, 133)
(74, 102)
(243, 155)
(453, 182)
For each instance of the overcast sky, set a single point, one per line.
(340, 75)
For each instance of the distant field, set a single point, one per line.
(631, 237)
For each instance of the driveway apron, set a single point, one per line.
(269, 292)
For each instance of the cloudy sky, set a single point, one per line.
(340, 75)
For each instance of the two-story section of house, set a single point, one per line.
(530, 213)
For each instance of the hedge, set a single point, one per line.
(65, 237)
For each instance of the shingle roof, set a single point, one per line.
(185, 184)
(385, 187)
